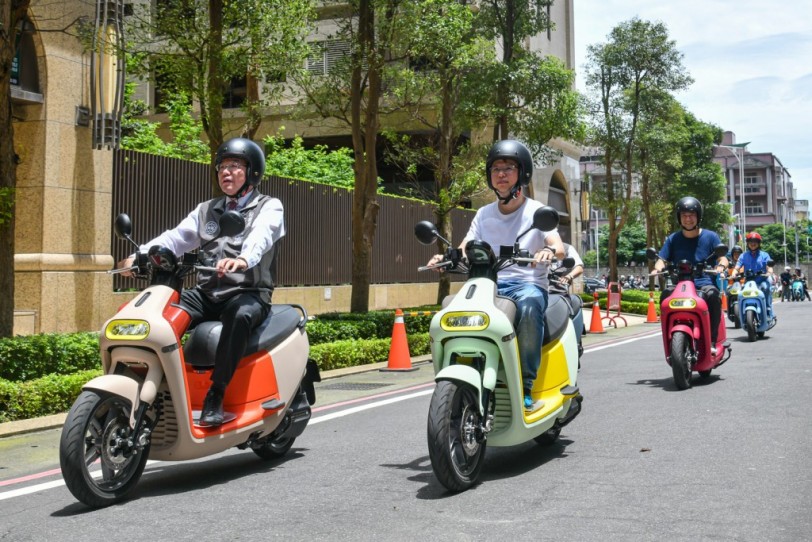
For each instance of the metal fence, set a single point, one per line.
(159, 192)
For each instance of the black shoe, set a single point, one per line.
(212, 413)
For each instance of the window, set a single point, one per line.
(236, 93)
(752, 208)
(325, 55)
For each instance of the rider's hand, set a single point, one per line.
(230, 265)
(546, 254)
(437, 258)
(126, 262)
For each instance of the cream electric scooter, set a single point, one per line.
(147, 403)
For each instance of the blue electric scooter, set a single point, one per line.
(755, 315)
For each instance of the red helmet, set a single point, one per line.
(753, 235)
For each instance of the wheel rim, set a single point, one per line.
(465, 450)
(107, 439)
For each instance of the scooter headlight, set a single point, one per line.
(464, 321)
(750, 293)
(682, 303)
(127, 330)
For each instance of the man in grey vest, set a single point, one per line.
(239, 293)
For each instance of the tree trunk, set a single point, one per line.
(11, 11)
(365, 122)
(212, 108)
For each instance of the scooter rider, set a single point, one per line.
(786, 283)
(756, 260)
(508, 170)
(802, 278)
(239, 294)
(695, 245)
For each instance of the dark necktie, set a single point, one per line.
(232, 205)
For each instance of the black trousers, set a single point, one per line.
(712, 297)
(240, 314)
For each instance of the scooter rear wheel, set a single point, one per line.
(681, 360)
(273, 449)
(97, 428)
(456, 453)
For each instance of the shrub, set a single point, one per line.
(34, 356)
(50, 394)
(355, 352)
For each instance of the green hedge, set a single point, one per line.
(631, 301)
(355, 352)
(50, 394)
(34, 356)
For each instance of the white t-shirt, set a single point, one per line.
(498, 229)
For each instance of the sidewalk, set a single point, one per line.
(367, 377)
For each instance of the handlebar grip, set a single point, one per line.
(122, 270)
(205, 268)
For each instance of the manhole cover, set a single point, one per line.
(355, 386)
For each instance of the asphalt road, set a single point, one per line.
(728, 459)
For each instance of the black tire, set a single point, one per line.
(737, 323)
(704, 375)
(454, 419)
(91, 432)
(681, 360)
(750, 325)
(273, 449)
(549, 437)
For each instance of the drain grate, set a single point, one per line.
(355, 386)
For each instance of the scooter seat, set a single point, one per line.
(556, 318)
(201, 346)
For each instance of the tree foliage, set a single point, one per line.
(630, 75)
(197, 47)
(333, 167)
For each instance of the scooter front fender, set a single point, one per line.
(465, 374)
(119, 385)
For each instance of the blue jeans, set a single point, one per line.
(531, 302)
(764, 286)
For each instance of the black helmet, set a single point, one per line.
(688, 204)
(509, 149)
(735, 249)
(247, 150)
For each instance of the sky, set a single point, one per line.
(751, 61)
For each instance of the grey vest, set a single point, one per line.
(259, 278)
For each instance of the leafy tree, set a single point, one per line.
(774, 236)
(141, 135)
(637, 65)
(352, 92)
(317, 164)
(197, 47)
(530, 96)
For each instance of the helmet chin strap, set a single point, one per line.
(515, 191)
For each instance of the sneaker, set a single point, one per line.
(530, 406)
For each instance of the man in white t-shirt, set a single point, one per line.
(509, 168)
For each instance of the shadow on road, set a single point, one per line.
(170, 478)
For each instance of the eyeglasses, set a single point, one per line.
(233, 166)
(506, 170)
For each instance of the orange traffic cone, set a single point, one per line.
(596, 326)
(724, 302)
(651, 317)
(399, 357)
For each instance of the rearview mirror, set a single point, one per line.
(426, 232)
(123, 226)
(545, 218)
(651, 254)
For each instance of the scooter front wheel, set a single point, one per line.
(97, 429)
(750, 324)
(456, 454)
(681, 359)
